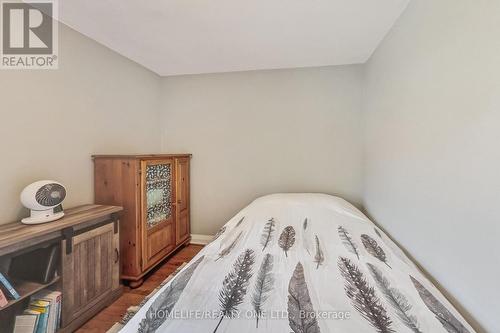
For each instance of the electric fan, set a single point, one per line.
(44, 199)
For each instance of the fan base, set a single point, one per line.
(38, 217)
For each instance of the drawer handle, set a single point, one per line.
(117, 255)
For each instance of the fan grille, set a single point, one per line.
(50, 195)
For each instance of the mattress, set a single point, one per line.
(299, 263)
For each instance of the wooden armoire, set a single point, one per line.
(154, 192)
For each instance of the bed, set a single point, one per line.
(299, 263)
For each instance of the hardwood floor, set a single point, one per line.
(113, 313)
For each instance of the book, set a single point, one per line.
(3, 299)
(7, 288)
(25, 323)
(43, 307)
(35, 313)
(54, 297)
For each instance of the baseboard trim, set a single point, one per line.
(201, 239)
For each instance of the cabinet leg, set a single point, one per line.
(136, 284)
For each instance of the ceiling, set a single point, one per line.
(174, 37)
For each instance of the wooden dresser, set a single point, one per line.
(154, 192)
(87, 270)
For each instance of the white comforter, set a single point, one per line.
(299, 263)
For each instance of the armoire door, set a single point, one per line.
(91, 270)
(158, 210)
(182, 196)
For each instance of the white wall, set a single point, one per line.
(432, 168)
(52, 121)
(254, 133)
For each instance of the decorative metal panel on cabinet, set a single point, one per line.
(154, 191)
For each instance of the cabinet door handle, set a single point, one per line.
(117, 255)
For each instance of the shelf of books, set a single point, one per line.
(24, 289)
(30, 291)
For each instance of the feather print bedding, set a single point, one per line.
(302, 263)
